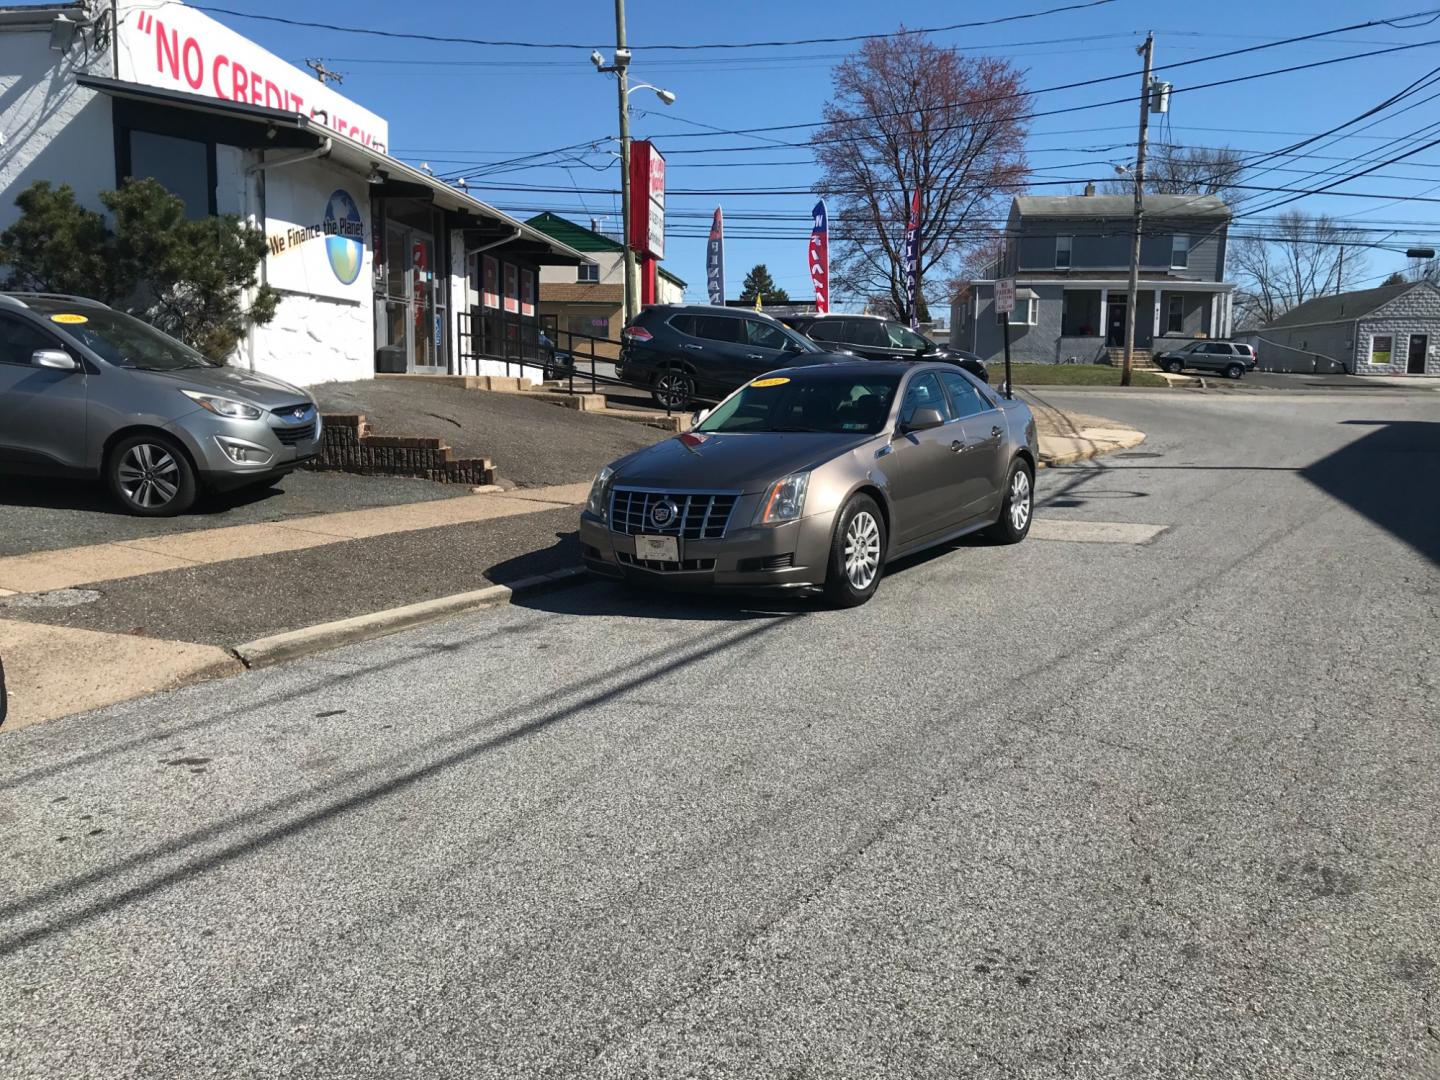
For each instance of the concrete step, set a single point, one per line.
(599, 403)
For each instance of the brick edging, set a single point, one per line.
(347, 446)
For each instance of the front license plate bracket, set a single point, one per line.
(658, 548)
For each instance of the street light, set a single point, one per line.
(620, 65)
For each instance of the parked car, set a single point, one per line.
(89, 391)
(814, 478)
(874, 338)
(557, 362)
(1218, 356)
(685, 352)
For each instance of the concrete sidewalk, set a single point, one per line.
(156, 613)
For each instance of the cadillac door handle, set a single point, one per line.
(957, 446)
(995, 434)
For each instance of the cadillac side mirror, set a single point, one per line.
(923, 420)
(55, 359)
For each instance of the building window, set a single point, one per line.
(1381, 349)
(1062, 252)
(1175, 316)
(1024, 313)
(589, 325)
(588, 273)
(1180, 252)
(182, 167)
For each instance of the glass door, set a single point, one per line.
(413, 317)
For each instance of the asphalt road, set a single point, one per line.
(1060, 810)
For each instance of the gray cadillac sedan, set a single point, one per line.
(816, 477)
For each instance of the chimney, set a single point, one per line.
(1090, 188)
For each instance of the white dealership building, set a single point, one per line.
(380, 266)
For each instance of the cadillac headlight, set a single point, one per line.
(785, 501)
(599, 501)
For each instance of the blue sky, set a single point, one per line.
(461, 106)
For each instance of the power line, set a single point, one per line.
(399, 35)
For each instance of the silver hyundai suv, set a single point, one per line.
(88, 391)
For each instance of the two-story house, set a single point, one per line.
(582, 308)
(1069, 256)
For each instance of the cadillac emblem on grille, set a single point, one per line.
(664, 512)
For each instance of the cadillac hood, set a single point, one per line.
(747, 462)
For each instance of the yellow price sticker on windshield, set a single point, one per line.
(769, 382)
(69, 319)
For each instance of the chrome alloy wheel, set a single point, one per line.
(149, 475)
(862, 550)
(1020, 500)
(674, 389)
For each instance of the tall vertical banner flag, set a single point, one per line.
(820, 258)
(912, 258)
(715, 259)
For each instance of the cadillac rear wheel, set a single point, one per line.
(857, 553)
(1017, 509)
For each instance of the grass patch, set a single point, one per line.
(1074, 375)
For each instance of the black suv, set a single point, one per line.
(690, 351)
(1218, 356)
(875, 338)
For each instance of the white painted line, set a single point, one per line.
(1094, 532)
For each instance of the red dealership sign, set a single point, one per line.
(647, 199)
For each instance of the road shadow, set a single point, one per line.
(1391, 476)
(91, 497)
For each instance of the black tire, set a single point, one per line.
(1234, 371)
(674, 389)
(840, 589)
(1009, 527)
(1173, 367)
(150, 476)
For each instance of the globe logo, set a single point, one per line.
(344, 236)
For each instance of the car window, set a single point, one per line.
(866, 332)
(923, 392)
(19, 338)
(902, 337)
(965, 398)
(684, 323)
(717, 327)
(827, 329)
(764, 335)
(810, 401)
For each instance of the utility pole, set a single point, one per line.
(1134, 294)
(323, 73)
(622, 63)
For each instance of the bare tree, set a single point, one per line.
(1296, 259)
(1189, 170)
(908, 114)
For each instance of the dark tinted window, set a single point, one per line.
(19, 338)
(964, 395)
(903, 337)
(808, 402)
(827, 329)
(684, 323)
(181, 165)
(868, 332)
(923, 392)
(765, 335)
(717, 327)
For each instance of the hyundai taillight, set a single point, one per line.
(637, 333)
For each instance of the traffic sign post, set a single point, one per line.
(1004, 305)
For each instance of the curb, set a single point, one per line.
(1073, 456)
(313, 639)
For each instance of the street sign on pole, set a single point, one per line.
(1004, 296)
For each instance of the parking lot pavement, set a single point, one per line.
(44, 515)
(1143, 805)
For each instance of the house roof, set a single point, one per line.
(572, 292)
(580, 238)
(1342, 307)
(1121, 206)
